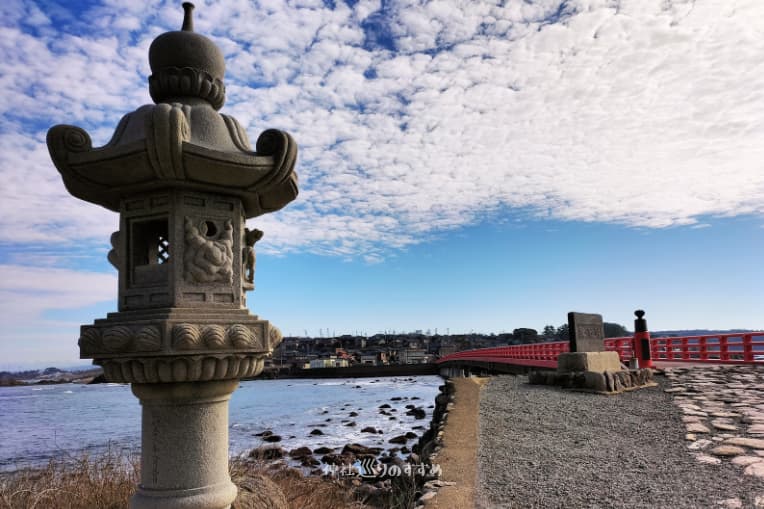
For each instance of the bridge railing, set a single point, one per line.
(742, 348)
(747, 348)
(624, 346)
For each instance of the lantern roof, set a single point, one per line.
(186, 64)
(181, 141)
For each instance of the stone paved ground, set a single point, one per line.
(723, 411)
(546, 447)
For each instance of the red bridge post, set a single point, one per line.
(641, 345)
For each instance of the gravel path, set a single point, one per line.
(544, 447)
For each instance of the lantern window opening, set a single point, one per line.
(163, 249)
(149, 252)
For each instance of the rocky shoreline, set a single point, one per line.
(399, 476)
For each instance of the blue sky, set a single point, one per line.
(463, 165)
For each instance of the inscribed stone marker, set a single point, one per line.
(587, 333)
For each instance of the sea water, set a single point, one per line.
(41, 422)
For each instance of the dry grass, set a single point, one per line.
(107, 481)
(301, 492)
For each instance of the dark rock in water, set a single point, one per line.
(265, 433)
(417, 413)
(322, 450)
(382, 412)
(316, 432)
(414, 397)
(267, 452)
(409, 406)
(358, 387)
(353, 414)
(309, 461)
(360, 450)
(400, 439)
(325, 412)
(337, 459)
(392, 418)
(350, 424)
(300, 452)
(411, 434)
(379, 431)
(385, 405)
(418, 427)
(272, 438)
(328, 420)
(405, 450)
(369, 429)
(396, 398)
(431, 406)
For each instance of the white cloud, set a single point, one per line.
(643, 113)
(27, 292)
(27, 297)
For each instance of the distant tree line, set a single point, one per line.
(561, 333)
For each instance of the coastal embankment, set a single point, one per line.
(457, 457)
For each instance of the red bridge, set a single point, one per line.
(744, 348)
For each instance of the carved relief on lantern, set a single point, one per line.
(208, 251)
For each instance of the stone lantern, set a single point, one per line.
(184, 179)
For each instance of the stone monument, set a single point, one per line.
(587, 346)
(587, 332)
(184, 180)
(587, 365)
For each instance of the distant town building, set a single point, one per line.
(370, 359)
(447, 349)
(412, 356)
(330, 362)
